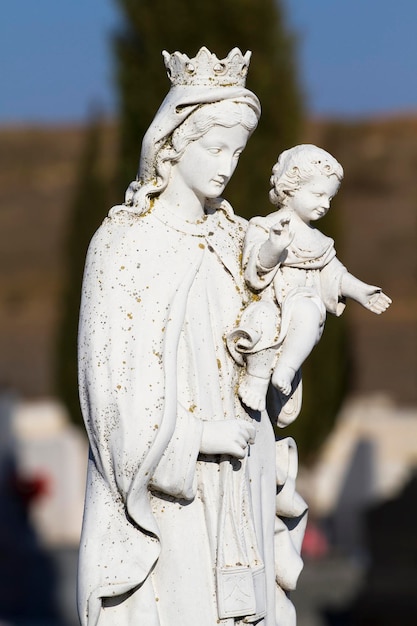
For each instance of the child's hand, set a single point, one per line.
(227, 437)
(280, 237)
(280, 234)
(374, 299)
(272, 250)
(369, 296)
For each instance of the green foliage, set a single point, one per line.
(89, 207)
(186, 25)
(258, 25)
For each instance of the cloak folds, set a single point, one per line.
(131, 314)
(141, 304)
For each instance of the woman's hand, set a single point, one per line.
(227, 437)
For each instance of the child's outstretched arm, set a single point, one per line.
(369, 296)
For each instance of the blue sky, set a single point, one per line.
(356, 57)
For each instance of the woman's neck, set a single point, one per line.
(182, 201)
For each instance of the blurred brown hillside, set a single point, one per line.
(378, 209)
(38, 178)
(378, 205)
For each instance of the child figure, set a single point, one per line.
(290, 263)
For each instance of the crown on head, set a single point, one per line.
(206, 69)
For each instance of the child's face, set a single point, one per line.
(312, 200)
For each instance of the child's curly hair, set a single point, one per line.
(298, 165)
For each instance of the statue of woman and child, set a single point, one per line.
(191, 513)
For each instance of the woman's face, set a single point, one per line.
(208, 163)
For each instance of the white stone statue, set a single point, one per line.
(294, 269)
(191, 513)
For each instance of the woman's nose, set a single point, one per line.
(226, 167)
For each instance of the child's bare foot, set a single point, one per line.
(252, 391)
(282, 378)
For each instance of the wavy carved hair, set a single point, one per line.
(298, 165)
(226, 113)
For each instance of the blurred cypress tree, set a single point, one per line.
(258, 25)
(90, 205)
(151, 26)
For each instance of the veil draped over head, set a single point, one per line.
(179, 103)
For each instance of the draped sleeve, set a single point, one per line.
(131, 317)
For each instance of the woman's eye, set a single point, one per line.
(237, 154)
(214, 150)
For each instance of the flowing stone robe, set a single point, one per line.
(171, 536)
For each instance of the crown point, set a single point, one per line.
(205, 69)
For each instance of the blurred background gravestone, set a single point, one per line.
(388, 596)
